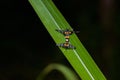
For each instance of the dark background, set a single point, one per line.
(26, 47)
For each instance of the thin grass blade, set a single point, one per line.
(68, 73)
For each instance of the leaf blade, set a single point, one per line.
(79, 58)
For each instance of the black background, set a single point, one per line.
(26, 46)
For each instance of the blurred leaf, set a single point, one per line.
(69, 74)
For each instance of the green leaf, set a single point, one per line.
(68, 73)
(79, 58)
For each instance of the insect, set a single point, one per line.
(66, 45)
(66, 32)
